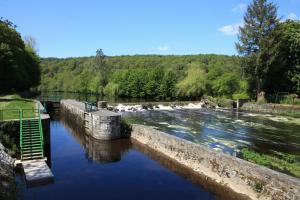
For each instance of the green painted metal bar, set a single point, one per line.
(21, 132)
(41, 130)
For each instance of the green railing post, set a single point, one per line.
(21, 131)
(41, 131)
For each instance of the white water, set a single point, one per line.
(135, 108)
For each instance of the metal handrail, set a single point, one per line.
(90, 106)
(40, 129)
(21, 131)
(6, 110)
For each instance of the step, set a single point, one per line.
(32, 154)
(31, 137)
(31, 132)
(31, 157)
(31, 147)
(32, 123)
(37, 145)
(31, 141)
(24, 152)
(30, 126)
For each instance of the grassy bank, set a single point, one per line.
(10, 106)
(286, 163)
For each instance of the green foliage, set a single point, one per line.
(194, 84)
(7, 139)
(255, 157)
(19, 64)
(286, 162)
(291, 99)
(125, 128)
(256, 42)
(143, 76)
(111, 89)
(8, 187)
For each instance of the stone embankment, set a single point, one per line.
(271, 108)
(243, 177)
(7, 182)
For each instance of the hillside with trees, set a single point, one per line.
(146, 76)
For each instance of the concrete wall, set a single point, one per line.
(241, 176)
(271, 108)
(102, 124)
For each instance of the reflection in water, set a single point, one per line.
(135, 176)
(97, 150)
(226, 130)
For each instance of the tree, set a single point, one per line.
(31, 43)
(100, 62)
(255, 41)
(194, 84)
(290, 52)
(19, 64)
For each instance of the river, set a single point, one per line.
(84, 168)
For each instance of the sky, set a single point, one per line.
(75, 28)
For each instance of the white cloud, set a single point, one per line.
(163, 48)
(231, 29)
(292, 16)
(239, 7)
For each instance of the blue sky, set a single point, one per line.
(71, 28)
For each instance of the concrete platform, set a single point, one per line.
(37, 172)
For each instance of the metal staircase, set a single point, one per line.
(31, 138)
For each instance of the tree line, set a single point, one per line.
(146, 76)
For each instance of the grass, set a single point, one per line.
(286, 162)
(10, 106)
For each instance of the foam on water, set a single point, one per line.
(138, 107)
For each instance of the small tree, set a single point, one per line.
(100, 63)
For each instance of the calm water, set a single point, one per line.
(87, 169)
(227, 131)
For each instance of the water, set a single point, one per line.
(227, 131)
(89, 169)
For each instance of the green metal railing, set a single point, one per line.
(49, 98)
(90, 106)
(40, 129)
(21, 131)
(26, 117)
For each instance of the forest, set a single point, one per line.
(146, 76)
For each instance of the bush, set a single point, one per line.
(255, 157)
(7, 139)
(125, 128)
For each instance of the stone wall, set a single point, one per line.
(7, 182)
(271, 108)
(102, 124)
(241, 176)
